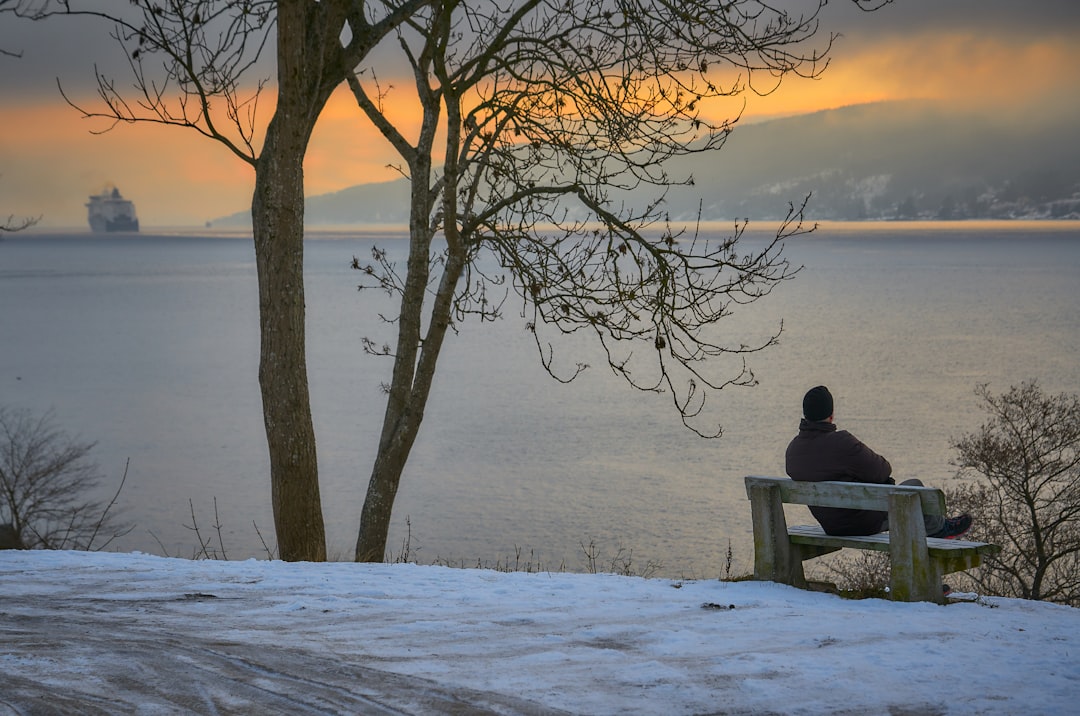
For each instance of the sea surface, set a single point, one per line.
(148, 346)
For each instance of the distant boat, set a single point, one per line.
(108, 211)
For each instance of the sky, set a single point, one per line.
(1004, 57)
(132, 633)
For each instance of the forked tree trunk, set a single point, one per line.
(417, 352)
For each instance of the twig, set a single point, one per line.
(198, 535)
(269, 552)
(217, 528)
(164, 551)
(105, 513)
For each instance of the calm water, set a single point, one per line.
(149, 346)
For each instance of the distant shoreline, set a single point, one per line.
(353, 230)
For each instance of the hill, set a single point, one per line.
(910, 160)
(894, 160)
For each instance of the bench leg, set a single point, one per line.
(915, 577)
(775, 560)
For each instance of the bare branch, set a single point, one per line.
(12, 224)
(189, 64)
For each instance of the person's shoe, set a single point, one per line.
(954, 527)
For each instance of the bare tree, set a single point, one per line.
(1025, 493)
(550, 109)
(191, 63)
(550, 113)
(46, 479)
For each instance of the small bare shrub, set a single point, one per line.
(1022, 487)
(622, 562)
(861, 574)
(45, 480)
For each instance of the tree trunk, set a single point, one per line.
(309, 67)
(382, 490)
(405, 403)
(278, 223)
(413, 377)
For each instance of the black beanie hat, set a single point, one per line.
(817, 404)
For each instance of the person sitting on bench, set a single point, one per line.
(821, 452)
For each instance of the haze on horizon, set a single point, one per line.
(1018, 63)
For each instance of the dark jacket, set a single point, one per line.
(821, 452)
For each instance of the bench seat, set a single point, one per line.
(955, 555)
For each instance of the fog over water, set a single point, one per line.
(149, 346)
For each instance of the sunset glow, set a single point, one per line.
(963, 70)
(53, 162)
(50, 161)
(347, 150)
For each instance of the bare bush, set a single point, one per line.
(621, 562)
(46, 480)
(862, 574)
(1022, 471)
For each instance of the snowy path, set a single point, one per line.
(87, 656)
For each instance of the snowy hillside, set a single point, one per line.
(110, 633)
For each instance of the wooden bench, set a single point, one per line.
(918, 562)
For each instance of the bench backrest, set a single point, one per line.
(852, 495)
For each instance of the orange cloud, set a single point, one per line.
(965, 70)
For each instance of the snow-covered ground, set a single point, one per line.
(132, 633)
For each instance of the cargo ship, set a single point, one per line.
(108, 211)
